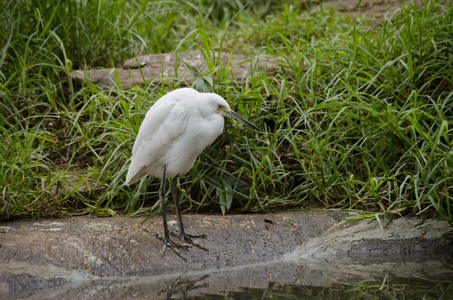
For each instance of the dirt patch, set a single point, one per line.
(375, 7)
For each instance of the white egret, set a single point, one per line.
(174, 132)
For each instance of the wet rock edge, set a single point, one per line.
(38, 255)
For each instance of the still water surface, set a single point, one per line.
(391, 277)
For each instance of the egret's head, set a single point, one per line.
(223, 109)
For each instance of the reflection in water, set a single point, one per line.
(421, 277)
(182, 286)
(372, 290)
(403, 277)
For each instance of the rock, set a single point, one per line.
(161, 67)
(58, 258)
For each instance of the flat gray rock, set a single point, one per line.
(173, 67)
(60, 257)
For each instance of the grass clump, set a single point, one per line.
(358, 117)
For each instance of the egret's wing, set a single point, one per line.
(163, 125)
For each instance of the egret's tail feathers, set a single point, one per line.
(135, 174)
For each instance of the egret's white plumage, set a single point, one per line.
(174, 132)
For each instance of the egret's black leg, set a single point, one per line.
(167, 241)
(182, 234)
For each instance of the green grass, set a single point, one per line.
(359, 116)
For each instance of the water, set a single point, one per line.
(386, 277)
(372, 290)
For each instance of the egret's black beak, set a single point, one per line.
(237, 116)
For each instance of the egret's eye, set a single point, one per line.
(219, 106)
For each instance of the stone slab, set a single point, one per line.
(173, 67)
(73, 255)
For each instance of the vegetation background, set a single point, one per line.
(359, 116)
